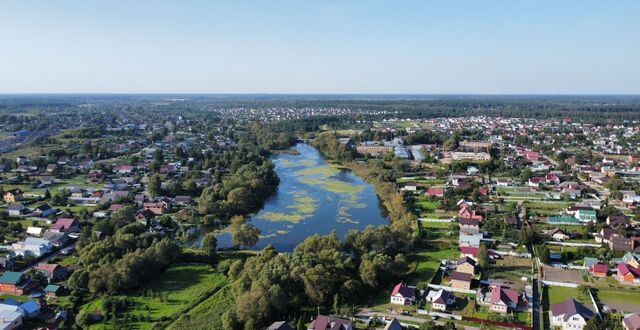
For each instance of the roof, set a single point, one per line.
(469, 250)
(404, 290)
(30, 307)
(50, 268)
(624, 269)
(466, 259)
(394, 324)
(600, 268)
(588, 261)
(323, 322)
(52, 288)
(63, 224)
(469, 222)
(10, 278)
(507, 296)
(458, 276)
(569, 308)
(280, 325)
(632, 321)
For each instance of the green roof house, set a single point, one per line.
(15, 283)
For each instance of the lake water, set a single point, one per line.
(313, 198)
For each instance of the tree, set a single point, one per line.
(244, 235)
(47, 194)
(544, 255)
(483, 256)
(209, 245)
(155, 185)
(230, 320)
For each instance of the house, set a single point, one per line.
(468, 251)
(503, 300)
(280, 325)
(588, 262)
(323, 322)
(52, 290)
(631, 259)
(605, 235)
(403, 294)
(628, 274)
(558, 234)
(617, 220)
(621, 243)
(586, 216)
(43, 211)
(46, 180)
(536, 181)
(13, 195)
(35, 231)
(631, 322)
(32, 246)
(469, 226)
(56, 239)
(123, 169)
(16, 209)
(551, 178)
(53, 272)
(183, 200)
(599, 270)
(465, 212)
(394, 324)
(15, 283)
(156, 208)
(461, 280)
(144, 216)
(466, 265)
(437, 192)
(472, 240)
(440, 299)
(570, 314)
(65, 225)
(10, 320)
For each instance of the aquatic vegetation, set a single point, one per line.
(285, 163)
(308, 162)
(333, 186)
(326, 171)
(279, 216)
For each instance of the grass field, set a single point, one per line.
(511, 270)
(206, 315)
(424, 263)
(558, 294)
(183, 285)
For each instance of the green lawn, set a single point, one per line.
(436, 225)
(620, 297)
(559, 294)
(425, 262)
(184, 285)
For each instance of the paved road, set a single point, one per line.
(409, 319)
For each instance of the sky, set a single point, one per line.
(320, 47)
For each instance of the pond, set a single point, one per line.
(313, 198)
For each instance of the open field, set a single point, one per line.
(207, 314)
(173, 294)
(622, 301)
(425, 262)
(511, 271)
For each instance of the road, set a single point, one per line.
(537, 298)
(408, 319)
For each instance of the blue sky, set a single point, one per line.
(306, 46)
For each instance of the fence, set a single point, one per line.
(573, 244)
(438, 314)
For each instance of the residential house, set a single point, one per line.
(469, 226)
(599, 270)
(32, 246)
(472, 240)
(628, 274)
(558, 234)
(394, 324)
(605, 235)
(468, 251)
(631, 322)
(466, 265)
(10, 320)
(570, 314)
(144, 216)
(437, 192)
(53, 272)
(52, 290)
(503, 300)
(440, 299)
(403, 294)
(16, 209)
(621, 243)
(617, 221)
(15, 283)
(65, 225)
(323, 322)
(57, 239)
(35, 231)
(631, 259)
(183, 200)
(461, 280)
(280, 325)
(43, 211)
(13, 195)
(156, 208)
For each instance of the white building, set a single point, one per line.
(570, 314)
